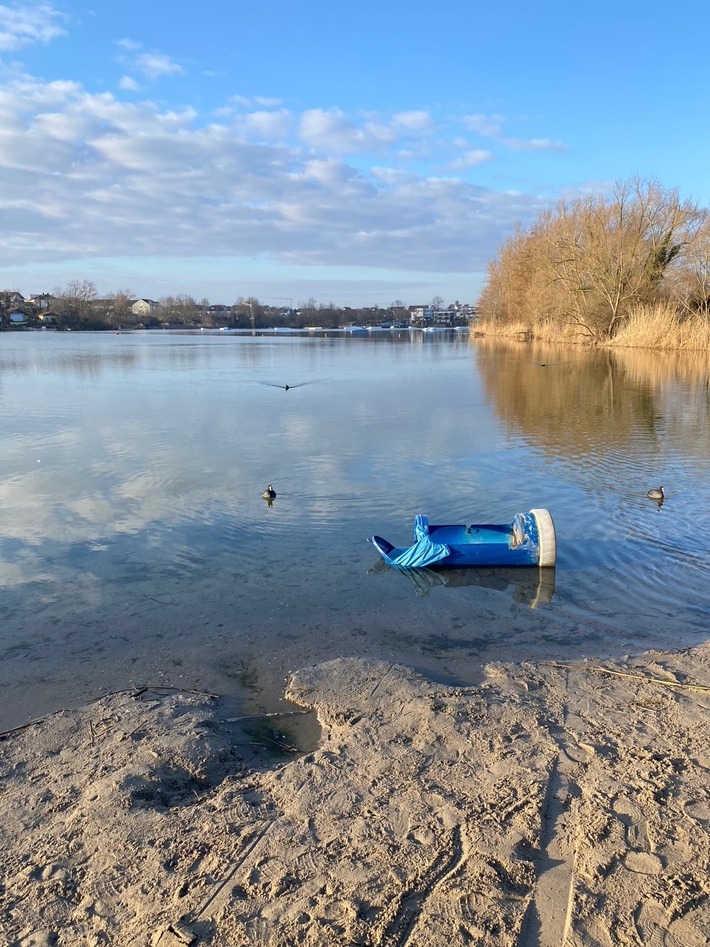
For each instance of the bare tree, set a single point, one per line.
(692, 278)
(76, 301)
(610, 257)
(250, 312)
(181, 309)
(594, 260)
(119, 307)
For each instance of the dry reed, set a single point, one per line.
(656, 326)
(661, 327)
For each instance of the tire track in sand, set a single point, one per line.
(548, 917)
(399, 929)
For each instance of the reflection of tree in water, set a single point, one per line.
(580, 401)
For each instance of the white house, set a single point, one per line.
(144, 307)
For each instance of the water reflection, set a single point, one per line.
(531, 587)
(135, 545)
(657, 494)
(606, 423)
(576, 400)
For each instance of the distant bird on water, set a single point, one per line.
(272, 384)
(657, 493)
(269, 493)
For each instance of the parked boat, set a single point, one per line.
(528, 541)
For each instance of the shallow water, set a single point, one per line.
(136, 548)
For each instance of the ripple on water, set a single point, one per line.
(162, 502)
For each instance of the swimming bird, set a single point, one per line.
(656, 494)
(269, 493)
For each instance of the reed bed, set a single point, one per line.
(661, 327)
(544, 331)
(657, 326)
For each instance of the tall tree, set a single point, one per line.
(76, 301)
(692, 283)
(181, 309)
(593, 260)
(119, 308)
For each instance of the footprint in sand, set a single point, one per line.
(640, 859)
(698, 810)
(637, 837)
(643, 863)
(655, 928)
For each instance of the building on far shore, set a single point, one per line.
(17, 319)
(43, 301)
(144, 307)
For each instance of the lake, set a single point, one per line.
(136, 548)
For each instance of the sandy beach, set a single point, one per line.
(551, 805)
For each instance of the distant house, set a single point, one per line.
(17, 319)
(11, 298)
(144, 307)
(42, 301)
(426, 315)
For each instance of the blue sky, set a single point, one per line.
(356, 153)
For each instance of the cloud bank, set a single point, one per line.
(87, 174)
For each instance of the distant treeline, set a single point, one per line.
(78, 306)
(631, 268)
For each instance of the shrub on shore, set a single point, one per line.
(632, 269)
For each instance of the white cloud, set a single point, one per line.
(266, 124)
(91, 175)
(419, 121)
(471, 158)
(332, 129)
(128, 84)
(490, 126)
(130, 45)
(404, 134)
(154, 65)
(535, 144)
(150, 65)
(24, 24)
(255, 101)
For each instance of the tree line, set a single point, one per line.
(595, 262)
(78, 306)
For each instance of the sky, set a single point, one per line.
(352, 153)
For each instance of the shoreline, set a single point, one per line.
(554, 803)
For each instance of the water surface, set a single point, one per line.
(136, 548)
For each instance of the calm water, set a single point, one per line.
(135, 546)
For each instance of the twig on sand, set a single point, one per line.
(599, 669)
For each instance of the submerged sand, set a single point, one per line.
(552, 805)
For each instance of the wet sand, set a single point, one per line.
(553, 804)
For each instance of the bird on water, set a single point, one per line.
(272, 384)
(657, 493)
(269, 493)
